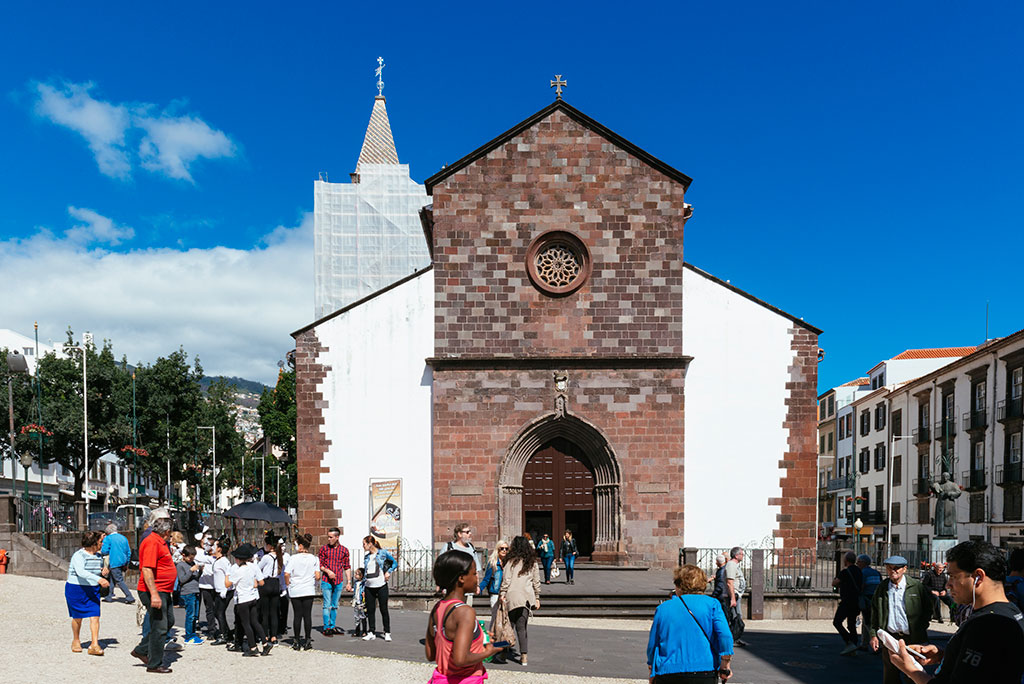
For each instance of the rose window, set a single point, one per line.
(558, 263)
(557, 266)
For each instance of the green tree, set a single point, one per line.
(278, 415)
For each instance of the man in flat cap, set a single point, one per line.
(902, 606)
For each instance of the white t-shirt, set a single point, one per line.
(243, 581)
(268, 565)
(301, 569)
(220, 571)
(205, 561)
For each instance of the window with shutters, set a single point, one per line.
(897, 471)
(977, 503)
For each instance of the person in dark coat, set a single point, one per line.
(850, 582)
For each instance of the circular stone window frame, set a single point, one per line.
(558, 238)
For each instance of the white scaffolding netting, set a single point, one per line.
(366, 235)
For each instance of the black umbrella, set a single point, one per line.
(258, 510)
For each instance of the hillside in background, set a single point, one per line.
(241, 384)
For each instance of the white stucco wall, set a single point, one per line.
(735, 408)
(378, 418)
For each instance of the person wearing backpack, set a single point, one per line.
(1014, 582)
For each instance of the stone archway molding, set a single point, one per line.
(608, 545)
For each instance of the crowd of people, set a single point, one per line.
(691, 638)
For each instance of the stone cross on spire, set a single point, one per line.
(377, 71)
(557, 85)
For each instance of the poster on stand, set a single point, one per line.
(386, 512)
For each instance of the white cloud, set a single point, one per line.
(166, 142)
(96, 229)
(234, 308)
(103, 125)
(172, 143)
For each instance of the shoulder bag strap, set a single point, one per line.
(679, 596)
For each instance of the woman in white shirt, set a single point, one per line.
(246, 580)
(222, 593)
(272, 569)
(302, 574)
(206, 590)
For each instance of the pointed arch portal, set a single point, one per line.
(592, 449)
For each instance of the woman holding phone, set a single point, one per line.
(454, 637)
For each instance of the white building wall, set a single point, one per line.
(735, 408)
(378, 416)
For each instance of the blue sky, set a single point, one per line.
(858, 166)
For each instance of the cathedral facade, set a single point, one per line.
(560, 366)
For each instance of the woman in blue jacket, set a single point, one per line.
(546, 551)
(377, 566)
(690, 635)
(491, 583)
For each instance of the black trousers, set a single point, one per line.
(303, 608)
(282, 616)
(519, 617)
(247, 621)
(209, 600)
(270, 610)
(221, 603)
(374, 596)
(846, 612)
(687, 678)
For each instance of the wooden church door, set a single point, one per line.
(558, 494)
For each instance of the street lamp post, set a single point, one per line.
(86, 340)
(213, 429)
(857, 525)
(277, 499)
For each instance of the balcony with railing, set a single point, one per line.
(1008, 474)
(922, 486)
(922, 435)
(873, 517)
(973, 480)
(1009, 409)
(836, 484)
(945, 429)
(976, 420)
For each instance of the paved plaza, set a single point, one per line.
(34, 622)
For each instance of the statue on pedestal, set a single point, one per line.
(947, 492)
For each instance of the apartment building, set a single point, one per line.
(834, 441)
(964, 419)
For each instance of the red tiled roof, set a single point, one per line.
(936, 353)
(859, 382)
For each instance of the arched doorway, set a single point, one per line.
(559, 494)
(588, 447)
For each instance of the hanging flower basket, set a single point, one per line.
(33, 429)
(138, 451)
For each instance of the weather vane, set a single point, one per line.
(557, 85)
(378, 71)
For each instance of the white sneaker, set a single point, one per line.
(370, 637)
(387, 636)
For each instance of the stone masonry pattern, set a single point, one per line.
(478, 414)
(799, 484)
(558, 175)
(318, 508)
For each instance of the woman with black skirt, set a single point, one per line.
(302, 575)
(271, 567)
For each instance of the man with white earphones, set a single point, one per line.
(989, 646)
(902, 606)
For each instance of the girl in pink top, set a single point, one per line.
(454, 638)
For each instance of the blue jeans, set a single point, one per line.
(547, 561)
(117, 582)
(191, 613)
(570, 566)
(332, 595)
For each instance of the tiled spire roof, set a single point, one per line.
(379, 144)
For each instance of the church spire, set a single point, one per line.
(379, 144)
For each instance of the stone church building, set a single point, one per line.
(558, 365)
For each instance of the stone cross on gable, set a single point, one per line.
(557, 85)
(378, 71)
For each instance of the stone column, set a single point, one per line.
(81, 516)
(510, 511)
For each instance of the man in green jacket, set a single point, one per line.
(901, 606)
